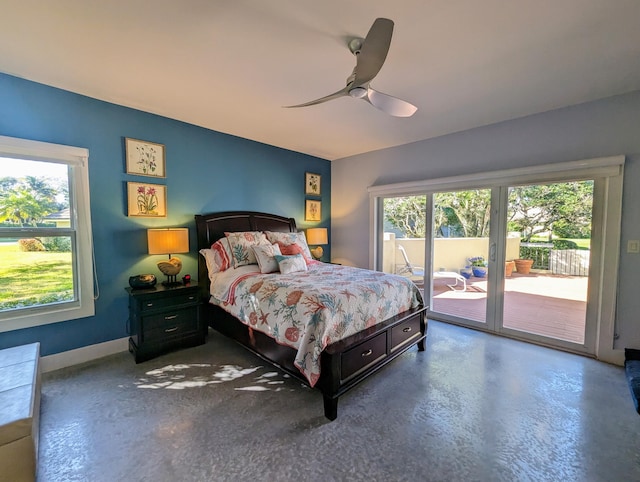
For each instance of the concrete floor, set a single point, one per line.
(472, 407)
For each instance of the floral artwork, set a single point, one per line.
(313, 211)
(312, 184)
(145, 158)
(149, 200)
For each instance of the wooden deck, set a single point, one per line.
(545, 304)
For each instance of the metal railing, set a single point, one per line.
(574, 262)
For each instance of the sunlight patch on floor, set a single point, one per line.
(181, 376)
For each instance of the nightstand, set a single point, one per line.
(163, 318)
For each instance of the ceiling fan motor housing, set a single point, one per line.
(358, 92)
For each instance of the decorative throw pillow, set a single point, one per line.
(221, 252)
(290, 249)
(291, 264)
(265, 255)
(290, 239)
(241, 243)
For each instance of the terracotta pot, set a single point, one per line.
(509, 266)
(523, 266)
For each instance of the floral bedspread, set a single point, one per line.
(311, 309)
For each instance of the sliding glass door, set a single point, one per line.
(546, 295)
(523, 259)
(460, 247)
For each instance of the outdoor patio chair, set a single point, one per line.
(408, 267)
(419, 271)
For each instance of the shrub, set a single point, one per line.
(30, 244)
(564, 244)
(57, 244)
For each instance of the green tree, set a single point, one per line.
(559, 208)
(464, 213)
(407, 214)
(562, 208)
(26, 200)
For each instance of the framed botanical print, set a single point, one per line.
(313, 210)
(312, 183)
(146, 200)
(145, 158)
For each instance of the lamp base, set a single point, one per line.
(171, 281)
(170, 269)
(317, 252)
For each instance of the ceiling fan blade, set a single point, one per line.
(373, 52)
(335, 95)
(390, 105)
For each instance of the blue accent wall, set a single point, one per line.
(206, 171)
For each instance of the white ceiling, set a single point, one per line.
(231, 65)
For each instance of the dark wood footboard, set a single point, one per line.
(344, 364)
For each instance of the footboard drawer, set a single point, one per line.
(363, 355)
(405, 332)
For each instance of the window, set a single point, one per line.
(46, 274)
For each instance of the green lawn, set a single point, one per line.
(33, 278)
(582, 243)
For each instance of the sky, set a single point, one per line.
(21, 168)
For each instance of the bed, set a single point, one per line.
(342, 363)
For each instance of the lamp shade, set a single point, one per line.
(168, 240)
(317, 236)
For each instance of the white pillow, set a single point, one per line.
(291, 264)
(265, 255)
(209, 258)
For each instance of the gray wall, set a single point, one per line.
(596, 129)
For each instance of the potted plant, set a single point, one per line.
(523, 266)
(467, 272)
(478, 266)
(509, 266)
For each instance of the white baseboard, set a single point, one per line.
(50, 363)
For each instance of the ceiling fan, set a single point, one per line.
(370, 53)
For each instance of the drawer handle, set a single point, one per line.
(407, 329)
(172, 317)
(366, 353)
(191, 297)
(149, 304)
(169, 330)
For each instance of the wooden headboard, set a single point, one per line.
(211, 227)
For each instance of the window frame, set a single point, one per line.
(77, 160)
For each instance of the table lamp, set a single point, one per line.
(167, 241)
(317, 236)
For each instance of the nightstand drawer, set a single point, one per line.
(167, 301)
(360, 357)
(168, 331)
(404, 333)
(170, 322)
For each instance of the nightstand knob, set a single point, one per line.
(172, 317)
(149, 304)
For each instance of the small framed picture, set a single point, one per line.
(312, 183)
(144, 158)
(313, 210)
(146, 200)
